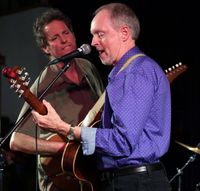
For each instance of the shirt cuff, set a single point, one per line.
(88, 137)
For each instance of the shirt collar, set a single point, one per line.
(121, 62)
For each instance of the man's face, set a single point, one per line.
(106, 38)
(60, 39)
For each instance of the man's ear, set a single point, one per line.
(125, 32)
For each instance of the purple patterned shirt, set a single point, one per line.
(136, 120)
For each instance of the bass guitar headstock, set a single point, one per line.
(19, 80)
(175, 71)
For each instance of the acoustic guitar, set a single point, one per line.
(69, 169)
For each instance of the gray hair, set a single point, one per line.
(122, 14)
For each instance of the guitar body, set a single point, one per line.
(71, 170)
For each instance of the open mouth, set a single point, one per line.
(101, 52)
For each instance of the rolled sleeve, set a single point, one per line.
(88, 137)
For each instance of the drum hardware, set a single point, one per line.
(197, 187)
(192, 158)
(193, 149)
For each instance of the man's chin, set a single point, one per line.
(104, 62)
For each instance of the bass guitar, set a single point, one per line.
(69, 169)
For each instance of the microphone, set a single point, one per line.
(83, 50)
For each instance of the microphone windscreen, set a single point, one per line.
(86, 49)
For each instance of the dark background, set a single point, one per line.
(169, 34)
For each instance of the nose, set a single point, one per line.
(63, 39)
(94, 41)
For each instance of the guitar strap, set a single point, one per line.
(99, 104)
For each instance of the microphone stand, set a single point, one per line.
(180, 171)
(28, 112)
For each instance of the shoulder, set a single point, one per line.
(83, 61)
(148, 65)
(85, 64)
(147, 69)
